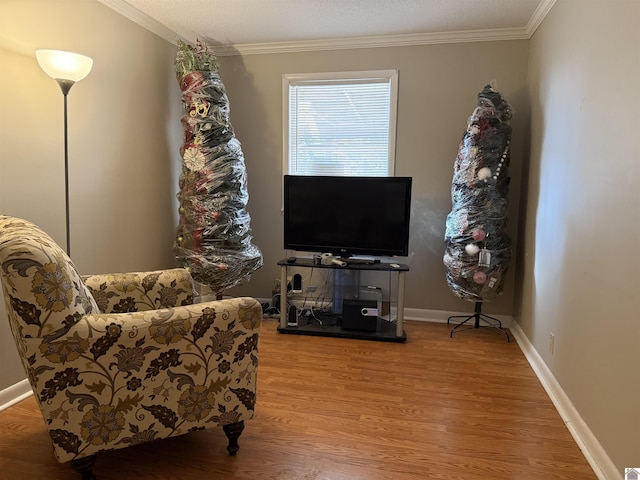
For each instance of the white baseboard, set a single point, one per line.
(15, 393)
(441, 316)
(600, 462)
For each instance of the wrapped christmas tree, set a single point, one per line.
(213, 238)
(477, 247)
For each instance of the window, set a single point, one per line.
(340, 123)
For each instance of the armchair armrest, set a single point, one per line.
(141, 291)
(123, 378)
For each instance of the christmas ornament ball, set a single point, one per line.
(484, 173)
(471, 249)
(479, 277)
(478, 234)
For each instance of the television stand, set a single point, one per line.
(329, 322)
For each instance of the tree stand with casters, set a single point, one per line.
(490, 322)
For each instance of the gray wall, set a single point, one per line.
(438, 85)
(124, 134)
(581, 276)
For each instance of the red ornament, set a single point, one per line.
(479, 277)
(478, 234)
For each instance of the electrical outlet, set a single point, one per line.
(552, 342)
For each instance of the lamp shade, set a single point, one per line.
(61, 65)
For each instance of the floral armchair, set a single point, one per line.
(123, 359)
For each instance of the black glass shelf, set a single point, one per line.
(385, 331)
(352, 264)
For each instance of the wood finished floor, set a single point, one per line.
(337, 409)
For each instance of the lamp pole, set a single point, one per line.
(65, 86)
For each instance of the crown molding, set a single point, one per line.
(142, 19)
(539, 15)
(524, 33)
(373, 42)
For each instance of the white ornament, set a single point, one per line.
(471, 249)
(484, 172)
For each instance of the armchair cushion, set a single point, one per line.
(123, 370)
(139, 291)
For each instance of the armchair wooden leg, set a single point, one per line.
(233, 431)
(84, 466)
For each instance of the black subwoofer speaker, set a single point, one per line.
(360, 315)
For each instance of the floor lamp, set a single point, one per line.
(66, 68)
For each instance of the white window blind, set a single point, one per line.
(341, 124)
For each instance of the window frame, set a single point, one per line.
(323, 78)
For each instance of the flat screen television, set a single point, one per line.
(347, 216)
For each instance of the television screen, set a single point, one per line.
(347, 216)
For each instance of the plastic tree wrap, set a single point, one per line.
(213, 239)
(477, 249)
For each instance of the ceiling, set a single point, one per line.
(259, 24)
